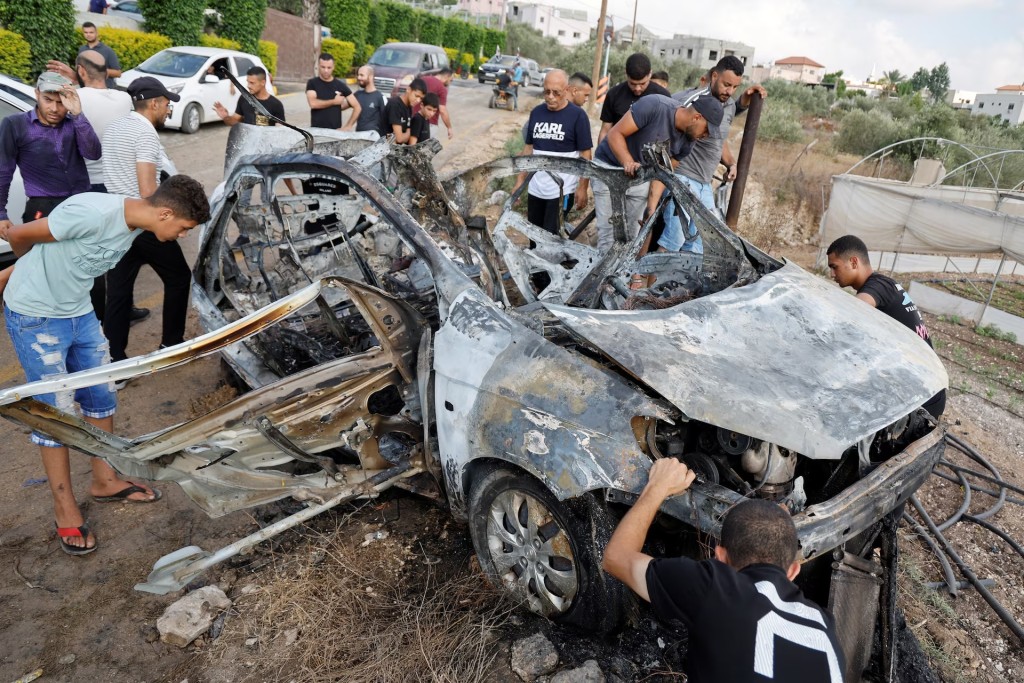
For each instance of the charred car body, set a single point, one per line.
(386, 334)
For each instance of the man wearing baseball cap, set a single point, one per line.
(654, 118)
(50, 145)
(131, 159)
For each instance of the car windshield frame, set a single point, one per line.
(411, 58)
(156, 64)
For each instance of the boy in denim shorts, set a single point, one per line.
(50, 318)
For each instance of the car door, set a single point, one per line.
(214, 89)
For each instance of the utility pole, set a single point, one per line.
(596, 73)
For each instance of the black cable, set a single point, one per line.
(952, 585)
(977, 457)
(964, 506)
(979, 489)
(979, 475)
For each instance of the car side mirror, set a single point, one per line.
(209, 78)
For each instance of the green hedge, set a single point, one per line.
(210, 40)
(15, 55)
(343, 52)
(181, 20)
(131, 47)
(48, 26)
(431, 29)
(267, 52)
(375, 30)
(242, 21)
(348, 20)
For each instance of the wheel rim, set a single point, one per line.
(531, 553)
(193, 117)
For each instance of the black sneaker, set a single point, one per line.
(138, 315)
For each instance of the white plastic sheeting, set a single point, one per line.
(893, 216)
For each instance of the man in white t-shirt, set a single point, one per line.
(555, 128)
(53, 329)
(131, 166)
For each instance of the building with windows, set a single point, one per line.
(797, 69)
(704, 52)
(491, 10)
(643, 39)
(960, 99)
(568, 26)
(1007, 102)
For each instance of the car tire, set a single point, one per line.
(191, 119)
(546, 552)
(482, 79)
(490, 102)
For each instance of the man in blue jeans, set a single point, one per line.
(53, 328)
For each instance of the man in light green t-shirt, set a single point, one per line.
(54, 330)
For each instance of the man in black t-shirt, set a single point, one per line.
(747, 621)
(419, 129)
(848, 261)
(622, 96)
(328, 95)
(256, 82)
(397, 117)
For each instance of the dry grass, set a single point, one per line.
(366, 614)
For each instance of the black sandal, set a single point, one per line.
(74, 532)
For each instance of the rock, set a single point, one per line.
(191, 616)
(150, 634)
(291, 636)
(590, 672)
(252, 642)
(533, 657)
(66, 659)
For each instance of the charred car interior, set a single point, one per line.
(389, 335)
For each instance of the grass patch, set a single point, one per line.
(994, 332)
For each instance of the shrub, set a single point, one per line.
(48, 26)
(780, 121)
(131, 47)
(453, 56)
(378, 18)
(431, 29)
(456, 33)
(343, 52)
(267, 52)
(209, 40)
(809, 101)
(181, 20)
(865, 132)
(400, 21)
(242, 21)
(348, 20)
(468, 61)
(15, 55)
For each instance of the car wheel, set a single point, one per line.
(544, 551)
(191, 119)
(490, 102)
(482, 79)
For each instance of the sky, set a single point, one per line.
(982, 41)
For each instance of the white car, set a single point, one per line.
(15, 97)
(190, 72)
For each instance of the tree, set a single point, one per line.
(892, 80)
(938, 82)
(919, 81)
(242, 21)
(837, 78)
(181, 21)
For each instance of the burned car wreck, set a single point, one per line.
(388, 337)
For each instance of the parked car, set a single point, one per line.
(395, 65)
(531, 72)
(15, 97)
(383, 345)
(191, 72)
(126, 9)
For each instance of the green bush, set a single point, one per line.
(375, 31)
(181, 20)
(266, 50)
(399, 22)
(431, 29)
(15, 55)
(780, 121)
(863, 132)
(242, 21)
(209, 40)
(131, 47)
(343, 52)
(809, 101)
(456, 33)
(48, 26)
(348, 20)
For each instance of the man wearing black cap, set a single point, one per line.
(131, 158)
(654, 118)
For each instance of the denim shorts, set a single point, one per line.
(50, 348)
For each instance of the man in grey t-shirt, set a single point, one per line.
(371, 101)
(93, 42)
(699, 166)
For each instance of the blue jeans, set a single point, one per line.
(672, 238)
(50, 348)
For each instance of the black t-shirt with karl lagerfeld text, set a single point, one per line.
(891, 299)
(747, 626)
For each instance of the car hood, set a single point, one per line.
(789, 359)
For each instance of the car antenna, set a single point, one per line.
(243, 91)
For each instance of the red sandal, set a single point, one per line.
(74, 532)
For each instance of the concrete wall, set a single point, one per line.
(938, 302)
(1007, 106)
(298, 45)
(701, 51)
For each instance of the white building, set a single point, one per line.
(641, 39)
(704, 52)
(1006, 102)
(485, 8)
(960, 99)
(568, 26)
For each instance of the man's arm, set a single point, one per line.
(86, 140)
(315, 103)
(730, 162)
(22, 237)
(624, 557)
(222, 112)
(617, 143)
(580, 202)
(113, 64)
(605, 127)
(356, 109)
(868, 299)
(145, 173)
(443, 113)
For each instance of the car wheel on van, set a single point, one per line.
(545, 551)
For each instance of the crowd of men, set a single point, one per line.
(104, 200)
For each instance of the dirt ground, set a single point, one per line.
(390, 590)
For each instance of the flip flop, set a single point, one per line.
(74, 532)
(122, 495)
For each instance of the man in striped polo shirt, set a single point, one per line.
(131, 160)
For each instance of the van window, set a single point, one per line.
(386, 56)
(427, 65)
